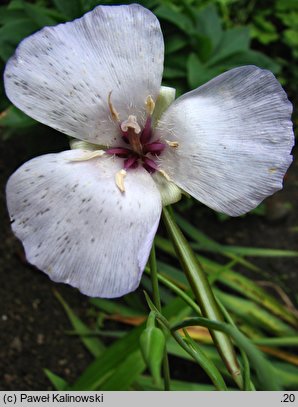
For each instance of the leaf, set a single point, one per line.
(255, 315)
(8, 16)
(202, 292)
(173, 73)
(69, 8)
(263, 29)
(180, 20)
(265, 372)
(14, 31)
(189, 346)
(58, 382)
(145, 382)
(114, 307)
(104, 365)
(174, 43)
(208, 24)
(198, 73)
(250, 57)
(15, 118)
(94, 345)
(39, 15)
(126, 373)
(233, 41)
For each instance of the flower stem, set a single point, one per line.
(157, 303)
(203, 294)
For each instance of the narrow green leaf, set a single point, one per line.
(203, 293)
(145, 382)
(255, 315)
(239, 283)
(58, 382)
(126, 373)
(291, 341)
(114, 307)
(192, 349)
(104, 366)
(265, 372)
(94, 345)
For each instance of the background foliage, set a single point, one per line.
(203, 38)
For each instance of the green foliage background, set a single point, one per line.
(203, 38)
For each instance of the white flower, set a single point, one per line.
(88, 218)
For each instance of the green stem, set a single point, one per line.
(185, 297)
(157, 303)
(197, 354)
(203, 294)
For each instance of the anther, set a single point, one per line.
(173, 144)
(88, 155)
(113, 111)
(150, 105)
(119, 179)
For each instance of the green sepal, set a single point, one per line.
(165, 98)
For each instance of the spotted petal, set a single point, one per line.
(78, 227)
(62, 76)
(235, 138)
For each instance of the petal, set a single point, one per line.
(78, 227)
(62, 76)
(235, 139)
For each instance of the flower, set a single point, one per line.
(88, 216)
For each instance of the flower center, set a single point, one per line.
(141, 148)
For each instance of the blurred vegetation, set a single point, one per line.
(203, 38)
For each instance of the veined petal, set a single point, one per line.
(62, 76)
(78, 227)
(235, 139)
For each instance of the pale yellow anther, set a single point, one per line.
(119, 179)
(131, 123)
(173, 144)
(114, 113)
(167, 177)
(150, 105)
(89, 155)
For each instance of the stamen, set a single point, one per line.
(119, 179)
(131, 162)
(119, 151)
(150, 105)
(156, 147)
(89, 155)
(147, 131)
(150, 165)
(114, 113)
(131, 123)
(173, 144)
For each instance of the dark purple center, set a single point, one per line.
(140, 150)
